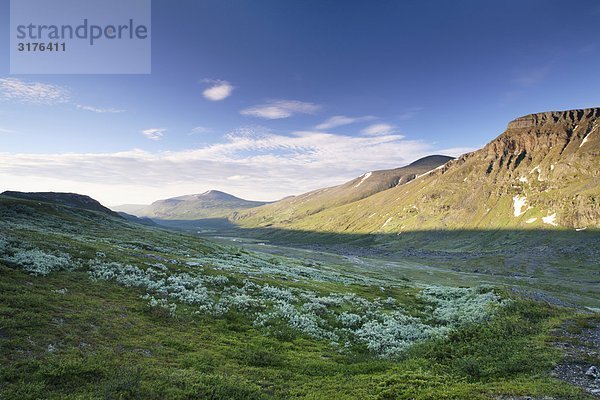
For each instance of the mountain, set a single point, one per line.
(542, 172)
(128, 208)
(295, 208)
(132, 218)
(210, 204)
(64, 199)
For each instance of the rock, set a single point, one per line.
(593, 372)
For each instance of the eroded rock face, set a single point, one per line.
(549, 152)
(554, 117)
(545, 131)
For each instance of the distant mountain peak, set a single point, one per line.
(209, 204)
(208, 195)
(433, 159)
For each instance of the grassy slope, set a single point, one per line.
(315, 202)
(556, 172)
(98, 339)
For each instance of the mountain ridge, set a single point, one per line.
(66, 199)
(542, 171)
(316, 201)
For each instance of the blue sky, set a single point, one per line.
(269, 98)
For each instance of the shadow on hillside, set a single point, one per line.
(562, 262)
(561, 241)
(207, 224)
(524, 250)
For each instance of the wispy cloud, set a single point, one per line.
(200, 130)
(252, 163)
(32, 92)
(341, 120)
(409, 113)
(98, 110)
(154, 133)
(531, 76)
(379, 129)
(219, 90)
(2, 130)
(277, 109)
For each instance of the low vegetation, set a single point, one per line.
(95, 307)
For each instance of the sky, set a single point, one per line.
(270, 98)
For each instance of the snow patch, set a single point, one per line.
(580, 229)
(387, 222)
(552, 167)
(364, 178)
(585, 139)
(518, 204)
(429, 172)
(523, 179)
(550, 220)
(536, 168)
(531, 220)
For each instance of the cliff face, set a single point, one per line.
(554, 117)
(551, 156)
(536, 135)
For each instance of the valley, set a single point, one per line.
(446, 278)
(97, 306)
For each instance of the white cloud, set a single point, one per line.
(340, 120)
(154, 133)
(98, 110)
(277, 109)
(219, 90)
(379, 129)
(250, 163)
(32, 92)
(199, 130)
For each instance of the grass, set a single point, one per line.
(65, 336)
(100, 340)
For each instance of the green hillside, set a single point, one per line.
(294, 208)
(542, 172)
